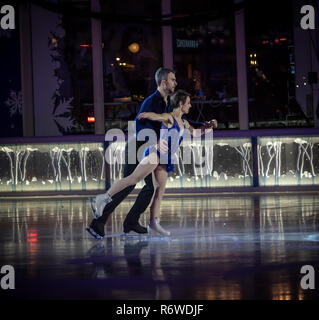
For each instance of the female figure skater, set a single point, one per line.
(158, 163)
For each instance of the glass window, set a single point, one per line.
(205, 61)
(10, 80)
(271, 66)
(132, 52)
(72, 51)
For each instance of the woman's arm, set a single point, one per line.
(194, 132)
(207, 127)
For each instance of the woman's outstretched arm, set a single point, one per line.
(207, 127)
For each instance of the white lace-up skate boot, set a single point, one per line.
(101, 201)
(154, 225)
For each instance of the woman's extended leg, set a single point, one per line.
(160, 174)
(146, 166)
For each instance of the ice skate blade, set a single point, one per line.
(143, 237)
(137, 236)
(93, 234)
(159, 237)
(92, 208)
(155, 234)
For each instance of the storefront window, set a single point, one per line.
(132, 52)
(74, 54)
(205, 61)
(271, 66)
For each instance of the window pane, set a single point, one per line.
(10, 80)
(74, 68)
(62, 68)
(271, 66)
(205, 61)
(132, 52)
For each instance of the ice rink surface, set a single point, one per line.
(222, 247)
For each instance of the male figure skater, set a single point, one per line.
(157, 103)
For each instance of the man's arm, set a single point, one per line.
(166, 118)
(153, 105)
(162, 117)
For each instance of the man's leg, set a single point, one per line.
(97, 225)
(141, 203)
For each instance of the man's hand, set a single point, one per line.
(167, 118)
(162, 146)
(142, 115)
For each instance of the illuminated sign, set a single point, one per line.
(180, 43)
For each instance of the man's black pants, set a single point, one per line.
(143, 199)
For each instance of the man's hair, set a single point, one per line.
(179, 95)
(161, 74)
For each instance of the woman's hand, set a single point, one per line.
(211, 124)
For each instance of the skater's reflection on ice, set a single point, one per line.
(163, 291)
(137, 254)
(103, 267)
(132, 253)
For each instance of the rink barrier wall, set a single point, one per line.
(265, 160)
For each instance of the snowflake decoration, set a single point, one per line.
(63, 107)
(14, 102)
(64, 120)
